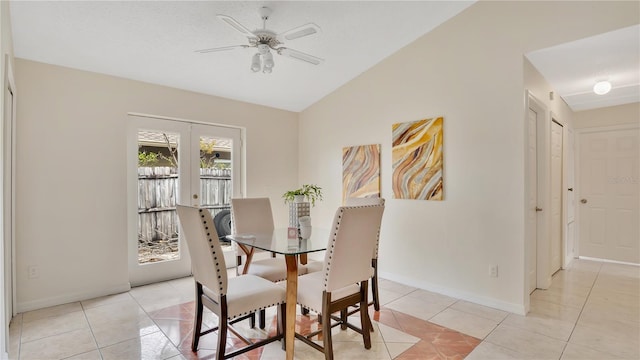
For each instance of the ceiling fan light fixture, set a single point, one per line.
(602, 87)
(268, 61)
(255, 63)
(266, 40)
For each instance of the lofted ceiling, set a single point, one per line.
(573, 68)
(156, 42)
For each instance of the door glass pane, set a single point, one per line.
(157, 192)
(215, 181)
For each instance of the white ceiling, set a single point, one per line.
(573, 68)
(154, 41)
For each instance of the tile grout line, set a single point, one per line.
(154, 322)
(581, 310)
(93, 336)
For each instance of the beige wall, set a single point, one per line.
(609, 116)
(469, 70)
(71, 176)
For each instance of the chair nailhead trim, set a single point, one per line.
(215, 256)
(333, 240)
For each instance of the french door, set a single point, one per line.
(174, 162)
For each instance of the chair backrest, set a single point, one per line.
(367, 201)
(207, 259)
(252, 215)
(353, 237)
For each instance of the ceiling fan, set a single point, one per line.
(266, 40)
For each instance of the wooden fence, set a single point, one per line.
(157, 196)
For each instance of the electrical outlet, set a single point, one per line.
(32, 272)
(494, 271)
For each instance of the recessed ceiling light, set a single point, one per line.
(602, 87)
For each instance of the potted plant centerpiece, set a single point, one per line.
(309, 191)
(298, 207)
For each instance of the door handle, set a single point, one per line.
(538, 209)
(195, 196)
(570, 189)
(584, 201)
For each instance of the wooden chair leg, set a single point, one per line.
(197, 323)
(374, 285)
(365, 322)
(262, 319)
(238, 263)
(326, 326)
(343, 319)
(252, 320)
(282, 321)
(223, 323)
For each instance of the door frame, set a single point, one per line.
(563, 189)
(570, 223)
(8, 202)
(578, 193)
(134, 121)
(8, 154)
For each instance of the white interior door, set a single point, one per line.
(609, 195)
(556, 196)
(174, 162)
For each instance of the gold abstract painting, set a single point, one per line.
(360, 171)
(417, 160)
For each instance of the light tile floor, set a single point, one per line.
(591, 311)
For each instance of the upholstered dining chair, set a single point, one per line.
(231, 299)
(343, 281)
(317, 265)
(253, 215)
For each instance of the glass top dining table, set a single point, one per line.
(278, 242)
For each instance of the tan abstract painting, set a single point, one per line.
(360, 171)
(417, 160)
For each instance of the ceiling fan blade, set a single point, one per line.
(224, 48)
(236, 25)
(298, 32)
(300, 56)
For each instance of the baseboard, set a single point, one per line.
(462, 295)
(608, 261)
(70, 297)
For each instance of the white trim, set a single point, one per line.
(455, 293)
(8, 301)
(606, 128)
(150, 116)
(71, 297)
(608, 261)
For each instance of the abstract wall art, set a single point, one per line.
(360, 171)
(417, 159)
